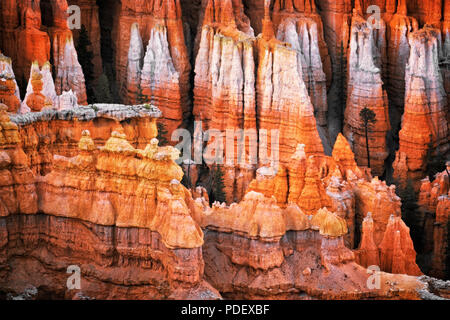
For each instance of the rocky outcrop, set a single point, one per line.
(303, 36)
(434, 200)
(68, 72)
(424, 127)
(36, 101)
(365, 90)
(90, 19)
(156, 240)
(29, 43)
(17, 188)
(224, 94)
(7, 93)
(6, 71)
(308, 21)
(397, 254)
(53, 132)
(166, 67)
(253, 255)
(399, 28)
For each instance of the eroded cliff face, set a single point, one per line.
(424, 127)
(159, 74)
(45, 134)
(365, 90)
(100, 222)
(90, 186)
(28, 40)
(120, 210)
(434, 200)
(253, 255)
(224, 94)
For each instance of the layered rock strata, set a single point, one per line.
(96, 180)
(68, 72)
(253, 256)
(52, 132)
(434, 199)
(399, 28)
(424, 126)
(165, 68)
(365, 90)
(224, 94)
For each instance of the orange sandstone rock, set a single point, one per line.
(37, 101)
(17, 188)
(165, 69)
(7, 94)
(397, 254)
(365, 89)
(161, 200)
(224, 94)
(31, 44)
(368, 254)
(399, 28)
(434, 199)
(424, 126)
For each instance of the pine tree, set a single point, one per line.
(141, 98)
(218, 185)
(102, 92)
(368, 118)
(162, 134)
(85, 57)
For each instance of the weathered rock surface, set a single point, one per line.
(166, 67)
(399, 28)
(224, 94)
(365, 90)
(17, 186)
(424, 126)
(51, 132)
(434, 200)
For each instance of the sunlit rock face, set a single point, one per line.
(224, 94)
(303, 216)
(365, 90)
(399, 29)
(424, 126)
(434, 200)
(29, 40)
(159, 67)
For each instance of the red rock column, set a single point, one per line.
(365, 89)
(90, 19)
(31, 44)
(68, 72)
(399, 29)
(161, 27)
(424, 125)
(224, 94)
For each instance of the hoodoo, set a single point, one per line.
(224, 149)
